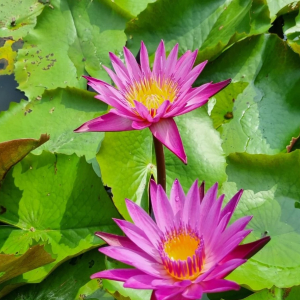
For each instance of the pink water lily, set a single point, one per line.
(188, 250)
(144, 98)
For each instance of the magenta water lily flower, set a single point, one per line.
(188, 251)
(144, 98)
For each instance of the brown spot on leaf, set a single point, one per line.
(221, 27)
(228, 115)
(13, 22)
(28, 111)
(293, 142)
(3, 63)
(52, 110)
(2, 210)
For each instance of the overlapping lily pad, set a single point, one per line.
(18, 17)
(292, 30)
(272, 196)
(70, 281)
(127, 159)
(209, 26)
(52, 199)
(71, 38)
(13, 151)
(259, 112)
(276, 294)
(58, 113)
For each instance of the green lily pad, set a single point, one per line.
(18, 17)
(7, 57)
(276, 294)
(12, 266)
(279, 7)
(272, 196)
(58, 113)
(55, 199)
(71, 38)
(130, 7)
(13, 151)
(71, 281)
(262, 98)
(292, 30)
(209, 26)
(127, 160)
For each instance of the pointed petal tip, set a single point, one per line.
(80, 129)
(94, 276)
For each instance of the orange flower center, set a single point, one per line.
(183, 254)
(152, 92)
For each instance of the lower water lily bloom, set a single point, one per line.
(144, 98)
(187, 250)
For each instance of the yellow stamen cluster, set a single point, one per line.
(152, 93)
(181, 247)
(183, 254)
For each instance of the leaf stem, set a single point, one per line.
(160, 162)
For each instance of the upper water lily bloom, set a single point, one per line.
(188, 251)
(145, 98)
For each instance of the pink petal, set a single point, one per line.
(219, 285)
(116, 240)
(132, 65)
(191, 210)
(193, 292)
(185, 68)
(142, 220)
(126, 114)
(224, 249)
(107, 122)
(161, 111)
(231, 205)
(108, 94)
(247, 250)
(177, 199)
(179, 105)
(144, 60)
(234, 228)
(167, 133)
(192, 76)
(120, 69)
(211, 219)
(117, 274)
(159, 60)
(171, 61)
(114, 78)
(143, 111)
(206, 204)
(170, 283)
(189, 108)
(211, 90)
(202, 98)
(139, 125)
(182, 60)
(167, 294)
(223, 270)
(212, 241)
(136, 259)
(162, 209)
(153, 189)
(137, 236)
(139, 282)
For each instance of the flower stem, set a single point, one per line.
(160, 162)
